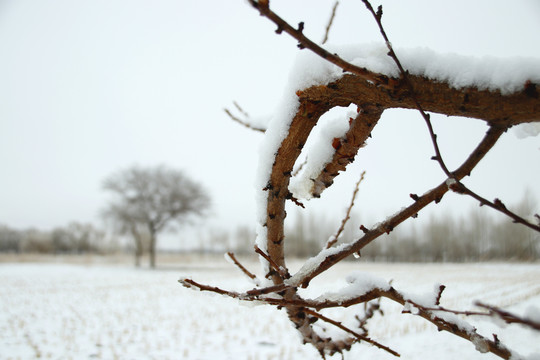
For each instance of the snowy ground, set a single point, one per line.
(103, 311)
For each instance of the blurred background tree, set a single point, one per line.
(152, 200)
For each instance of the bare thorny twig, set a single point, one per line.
(313, 103)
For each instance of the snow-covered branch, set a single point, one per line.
(374, 79)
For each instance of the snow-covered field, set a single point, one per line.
(104, 311)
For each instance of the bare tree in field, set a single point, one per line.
(152, 200)
(124, 222)
(344, 80)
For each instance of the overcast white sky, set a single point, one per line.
(89, 87)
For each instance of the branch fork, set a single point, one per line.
(373, 94)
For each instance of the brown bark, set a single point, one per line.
(372, 93)
(500, 112)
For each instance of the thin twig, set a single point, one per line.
(189, 283)
(404, 74)
(330, 22)
(282, 272)
(335, 238)
(299, 168)
(243, 122)
(510, 318)
(497, 204)
(370, 309)
(354, 333)
(240, 266)
(305, 42)
(239, 108)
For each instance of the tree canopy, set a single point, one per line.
(154, 198)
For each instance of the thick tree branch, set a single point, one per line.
(347, 147)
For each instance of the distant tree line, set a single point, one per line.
(144, 202)
(480, 238)
(477, 236)
(75, 238)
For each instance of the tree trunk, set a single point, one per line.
(152, 248)
(138, 245)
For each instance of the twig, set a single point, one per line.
(330, 22)
(250, 295)
(193, 284)
(243, 122)
(510, 318)
(239, 108)
(335, 238)
(299, 168)
(404, 74)
(354, 333)
(283, 273)
(370, 309)
(497, 204)
(295, 201)
(304, 42)
(267, 290)
(439, 295)
(443, 309)
(481, 343)
(240, 266)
